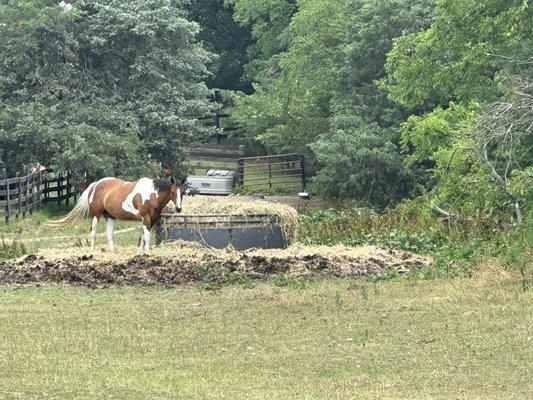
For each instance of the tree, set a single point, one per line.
(472, 65)
(100, 86)
(456, 59)
(287, 112)
(226, 38)
(368, 164)
(269, 23)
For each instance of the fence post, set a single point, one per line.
(58, 188)
(68, 187)
(23, 189)
(8, 201)
(39, 192)
(269, 172)
(46, 190)
(240, 172)
(33, 191)
(29, 190)
(18, 195)
(302, 166)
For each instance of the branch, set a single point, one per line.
(512, 60)
(445, 214)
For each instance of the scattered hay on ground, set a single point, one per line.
(287, 216)
(181, 262)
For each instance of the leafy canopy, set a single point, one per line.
(101, 86)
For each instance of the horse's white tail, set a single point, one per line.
(78, 212)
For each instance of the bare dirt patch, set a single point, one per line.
(183, 263)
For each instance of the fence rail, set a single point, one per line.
(281, 171)
(200, 160)
(25, 194)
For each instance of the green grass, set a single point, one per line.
(328, 339)
(31, 233)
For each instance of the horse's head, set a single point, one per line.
(177, 191)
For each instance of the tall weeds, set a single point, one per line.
(11, 249)
(456, 245)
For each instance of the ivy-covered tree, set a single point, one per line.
(100, 86)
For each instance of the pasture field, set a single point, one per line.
(30, 233)
(462, 338)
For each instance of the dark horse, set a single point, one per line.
(142, 200)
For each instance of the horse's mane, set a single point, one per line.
(161, 184)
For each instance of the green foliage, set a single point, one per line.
(268, 21)
(324, 102)
(459, 56)
(241, 278)
(430, 138)
(226, 38)
(101, 86)
(209, 276)
(13, 249)
(291, 281)
(469, 71)
(288, 111)
(361, 166)
(456, 246)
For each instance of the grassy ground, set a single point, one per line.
(31, 233)
(466, 338)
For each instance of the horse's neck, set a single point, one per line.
(163, 203)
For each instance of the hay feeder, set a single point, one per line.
(220, 231)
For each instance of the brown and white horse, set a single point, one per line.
(142, 200)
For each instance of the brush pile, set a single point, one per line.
(181, 262)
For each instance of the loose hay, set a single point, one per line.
(286, 216)
(182, 262)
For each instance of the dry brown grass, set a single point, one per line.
(195, 252)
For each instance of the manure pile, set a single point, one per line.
(181, 263)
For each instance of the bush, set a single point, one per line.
(455, 246)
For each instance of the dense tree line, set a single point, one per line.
(396, 99)
(104, 87)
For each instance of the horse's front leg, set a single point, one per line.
(147, 225)
(141, 247)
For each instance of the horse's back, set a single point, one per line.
(120, 199)
(101, 192)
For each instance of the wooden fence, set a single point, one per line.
(286, 171)
(24, 194)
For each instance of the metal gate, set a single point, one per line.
(285, 171)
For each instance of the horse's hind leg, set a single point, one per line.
(92, 234)
(110, 228)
